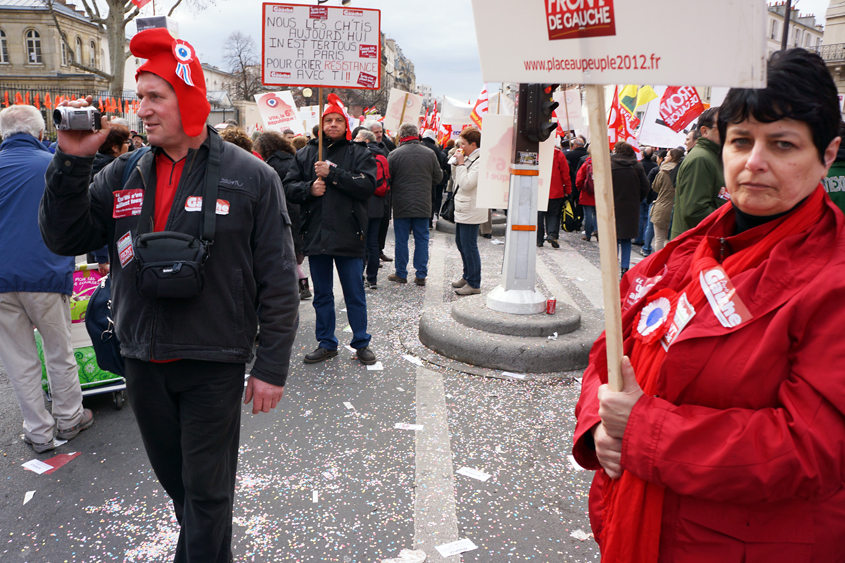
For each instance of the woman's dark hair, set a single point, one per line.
(118, 135)
(624, 149)
(677, 155)
(707, 119)
(237, 137)
(270, 142)
(662, 153)
(799, 87)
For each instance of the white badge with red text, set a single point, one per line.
(723, 299)
(194, 203)
(641, 286)
(684, 312)
(127, 203)
(124, 249)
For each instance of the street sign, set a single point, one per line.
(320, 46)
(621, 42)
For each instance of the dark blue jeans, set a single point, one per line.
(590, 225)
(349, 272)
(624, 252)
(466, 239)
(649, 233)
(372, 250)
(401, 231)
(643, 222)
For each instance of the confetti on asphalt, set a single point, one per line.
(474, 473)
(28, 496)
(456, 547)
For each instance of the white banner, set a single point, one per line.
(278, 112)
(494, 163)
(395, 117)
(570, 101)
(455, 113)
(309, 116)
(321, 46)
(500, 104)
(609, 42)
(654, 133)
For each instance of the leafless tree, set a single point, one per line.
(118, 13)
(240, 56)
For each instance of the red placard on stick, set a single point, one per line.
(321, 46)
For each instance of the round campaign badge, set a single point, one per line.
(653, 320)
(183, 51)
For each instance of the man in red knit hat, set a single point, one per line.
(185, 357)
(332, 189)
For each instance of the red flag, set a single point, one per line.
(480, 109)
(27, 99)
(48, 103)
(73, 97)
(679, 106)
(6, 98)
(37, 101)
(135, 105)
(140, 3)
(18, 99)
(100, 104)
(126, 106)
(614, 120)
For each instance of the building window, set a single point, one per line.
(774, 32)
(92, 55)
(64, 52)
(78, 55)
(103, 59)
(4, 49)
(33, 47)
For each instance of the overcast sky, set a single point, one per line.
(437, 35)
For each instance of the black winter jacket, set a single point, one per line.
(281, 162)
(250, 263)
(334, 224)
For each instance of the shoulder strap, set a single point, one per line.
(132, 162)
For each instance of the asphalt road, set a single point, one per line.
(327, 476)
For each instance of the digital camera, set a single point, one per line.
(77, 119)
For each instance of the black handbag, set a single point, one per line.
(171, 264)
(99, 322)
(447, 210)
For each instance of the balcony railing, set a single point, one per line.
(832, 53)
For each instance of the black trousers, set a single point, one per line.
(550, 220)
(189, 414)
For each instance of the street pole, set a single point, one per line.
(786, 15)
(516, 292)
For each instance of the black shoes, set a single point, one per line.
(554, 243)
(419, 281)
(319, 355)
(366, 356)
(384, 258)
(397, 279)
(487, 235)
(304, 290)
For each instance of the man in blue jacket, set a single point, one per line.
(35, 286)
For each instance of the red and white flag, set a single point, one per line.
(679, 106)
(480, 109)
(140, 3)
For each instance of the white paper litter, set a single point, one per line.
(497, 241)
(314, 496)
(514, 375)
(28, 496)
(376, 367)
(456, 547)
(575, 463)
(347, 328)
(499, 450)
(351, 349)
(407, 556)
(400, 389)
(581, 535)
(403, 426)
(552, 337)
(413, 359)
(37, 466)
(474, 473)
(343, 310)
(57, 442)
(349, 406)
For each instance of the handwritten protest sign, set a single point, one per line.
(278, 112)
(321, 46)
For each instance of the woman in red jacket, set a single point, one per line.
(587, 198)
(727, 442)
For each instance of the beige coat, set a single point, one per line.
(466, 182)
(661, 211)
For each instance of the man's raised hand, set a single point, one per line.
(82, 143)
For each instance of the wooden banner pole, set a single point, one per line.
(566, 109)
(401, 119)
(320, 128)
(606, 219)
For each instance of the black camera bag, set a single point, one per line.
(171, 264)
